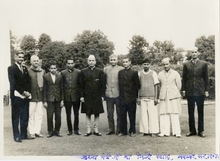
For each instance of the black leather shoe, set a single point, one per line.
(88, 134)
(70, 133)
(110, 133)
(97, 134)
(77, 132)
(49, 135)
(18, 140)
(202, 134)
(58, 135)
(120, 134)
(190, 134)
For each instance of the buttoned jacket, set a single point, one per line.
(112, 85)
(170, 84)
(71, 84)
(53, 90)
(129, 85)
(18, 81)
(195, 78)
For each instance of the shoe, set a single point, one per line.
(145, 134)
(132, 134)
(77, 132)
(153, 135)
(70, 133)
(49, 135)
(190, 134)
(18, 140)
(58, 134)
(110, 133)
(120, 134)
(162, 135)
(88, 134)
(97, 134)
(39, 135)
(32, 136)
(202, 134)
(178, 136)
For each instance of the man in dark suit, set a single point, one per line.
(71, 95)
(129, 85)
(53, 99)
(195, 88)
(19, 94)
(92, 91)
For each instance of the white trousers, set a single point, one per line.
(148, 117)
(165, 124)
(35, 117)
(95, 124)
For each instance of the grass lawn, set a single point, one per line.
(94, 145)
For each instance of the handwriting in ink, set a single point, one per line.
(145, 156)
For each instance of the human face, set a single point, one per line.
(194, 54)
(91, 61)
(146, 66)
(126, 63)
(70, 64)
(113, 61)
(53, 69)
(19, 58)
(35, 62)
(166, 66)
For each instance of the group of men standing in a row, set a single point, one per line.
(120, 87)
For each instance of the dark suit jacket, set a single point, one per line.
(71, 85)
(18, 81)
(195, 78)
(92, 88)
(52, 91)
(129, 85)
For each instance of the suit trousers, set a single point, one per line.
(68, 105)
(199, 100)
(35, 117)
(129, 108)
(149, 122)
(111, 102)
(53, 107)
(20, 112)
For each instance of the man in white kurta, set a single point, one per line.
(170, 105)
(149, 123)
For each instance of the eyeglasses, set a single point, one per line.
(194, 51)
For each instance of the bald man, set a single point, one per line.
(92, 90)
(36, 74)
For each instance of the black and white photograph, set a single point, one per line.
(110, 80)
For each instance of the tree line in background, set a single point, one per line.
(97, 43)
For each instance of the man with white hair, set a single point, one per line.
(195, 88)
(170, 103)
(92, 91)
(36, 74)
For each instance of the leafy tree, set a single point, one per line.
(43, 40)
(12, 47)
(53, 51)
(91, 42)
(138, 46)
(206, 46)
(28, 45)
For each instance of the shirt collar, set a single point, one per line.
(92, 67)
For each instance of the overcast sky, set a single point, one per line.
(181, 21)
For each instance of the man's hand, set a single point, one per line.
(82, 99)
(206, 93)
(184, 93)
(45, 105)
(155, 101)
(26, 94)
(61, 104)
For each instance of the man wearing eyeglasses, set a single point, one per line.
(195, 88)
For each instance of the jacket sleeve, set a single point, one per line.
(103, 83)
(206, 77)
(184, 77)
(178, 81)
(11, 80)
(136, 83)
(81, 84)
(44, 99)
